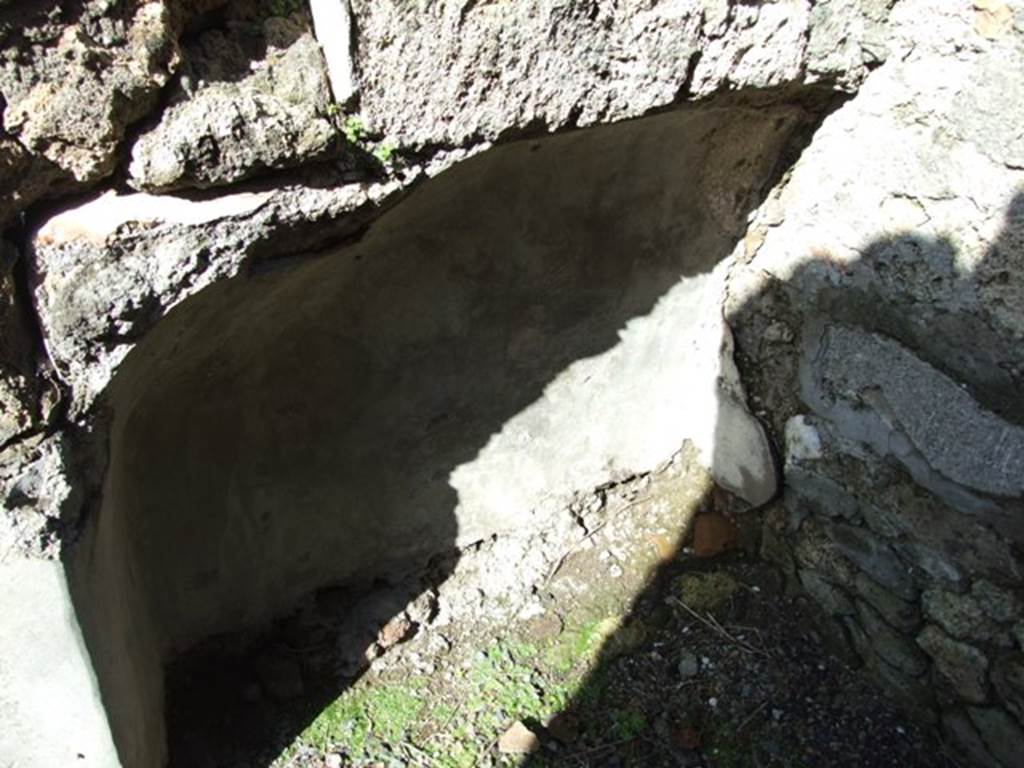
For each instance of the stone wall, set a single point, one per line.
(267, 264)
(878, 310)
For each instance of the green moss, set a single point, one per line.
(705, 591)
(628, 724)
(581, 646)
(575, 647)
(508, 687)
(384, 712)
(514, 679)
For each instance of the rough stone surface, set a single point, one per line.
(107, 270)
(815, 549)
(879, 330)
(42, 497)
(964, 736)
(1008, 679)
(73, 78)
(939, 543)
(815, 493)
(847, 38)
(585, 62)
(898, 613)
(774, 546)
(1001, 734)
(832, 598)
(874, 557)
(20, 388)
(962, 616)
(962, 665)
(250, 97)
(894, 648)
(903, 256)
(904, 394)
(996, 602)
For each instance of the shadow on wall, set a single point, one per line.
(340, 424)
(872, 350)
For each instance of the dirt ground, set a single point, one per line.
(610, 645)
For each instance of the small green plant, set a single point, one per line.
(628, 724)
(354, 130)
(333, 109)
(356, 134)
(576, 647)
(384, 152)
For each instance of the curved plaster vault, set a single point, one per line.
(537, 321)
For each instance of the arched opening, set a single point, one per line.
(531, 323)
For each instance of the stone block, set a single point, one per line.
(833, 599)
(1001, 734)
(72, 83)
(815, 493)
(895, 649)
(776, 549)
(958, 728)
(253, 97)
(997, 603)
(901, 614)
(873, 556)
(815, 550)
(1008, 679)
(880, 393)
(964, 666)
(964, 616)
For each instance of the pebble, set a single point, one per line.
(518, 740)
(687, 665)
